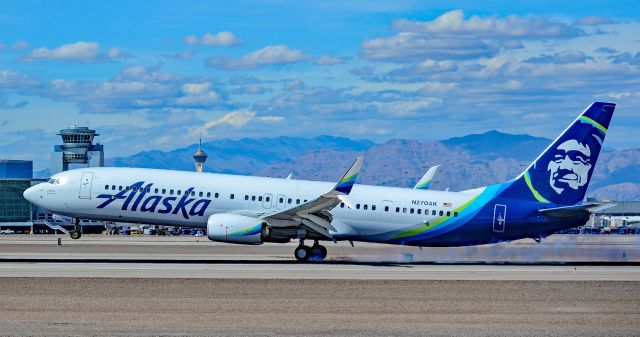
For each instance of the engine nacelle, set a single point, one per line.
(234, 228)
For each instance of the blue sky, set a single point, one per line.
(156, 74)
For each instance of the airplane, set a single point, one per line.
(425, 182)
(547, 197)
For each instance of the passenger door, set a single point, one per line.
(85, 185)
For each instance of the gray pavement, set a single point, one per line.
(256, 307)
(555, 249)
(154, 286)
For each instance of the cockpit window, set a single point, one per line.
(53, 181)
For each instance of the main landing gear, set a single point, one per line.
(75, 233)
(316, 252)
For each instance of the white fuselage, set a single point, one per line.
(80, 193)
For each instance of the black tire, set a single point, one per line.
(302, 253)
(318, 253)
(75, 234)
(324, 252)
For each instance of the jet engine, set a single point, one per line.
(234, 228)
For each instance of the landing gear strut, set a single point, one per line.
(316, 252)
(75, 233)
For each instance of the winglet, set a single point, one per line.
(426, 180)
(346, 183)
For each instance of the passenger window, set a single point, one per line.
(373, 207)
(357, 206)
(386, 208)
(119, 188)
(260, 198)
(448, 213)
(268, 199)
(113, 188)
(441, 213)
(305, 200)
(155, 191)
(179, 192)
(200, 194)
(246, 197)
(433, 212)
(106, 187)
(455, 214)
(217, 195)
(411, 211)
(164, 191)
(298, 201)
(232, 196)
(289, 201)
(193, 193)
(281, 200)
(253, 198)
(404, 210)
(148, 189)
(171, 192)
(397, 209)
(419, 211)
(365, 207)
(341, 205)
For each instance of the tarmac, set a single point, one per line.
(186, 286)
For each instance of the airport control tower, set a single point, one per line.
(200, 157)
(77, 148)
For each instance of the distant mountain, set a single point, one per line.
(495, 144)
(467, 162)
(244, 156)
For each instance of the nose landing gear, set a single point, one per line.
(75, 233)
(316, 252)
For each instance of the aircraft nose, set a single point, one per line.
(31, 194)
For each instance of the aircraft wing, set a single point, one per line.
(573, 211)
(315, 214)
(425, 181)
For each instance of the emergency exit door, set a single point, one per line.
(85, 185)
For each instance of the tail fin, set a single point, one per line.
(561, 174)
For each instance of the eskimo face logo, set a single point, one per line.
(570, 166)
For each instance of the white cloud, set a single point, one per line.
(81, 51)
(454, 23)
(269, 55)
(196, 88)
(219, 39)
(593, 21)
(451, 36)
(20, 45)
(328, 60)
(10, 79)
(563, 57)
(240, 118)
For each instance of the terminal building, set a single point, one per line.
(15, 212)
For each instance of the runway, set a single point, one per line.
(148, 286)
(293, 271)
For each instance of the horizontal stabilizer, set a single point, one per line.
(574, 211)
